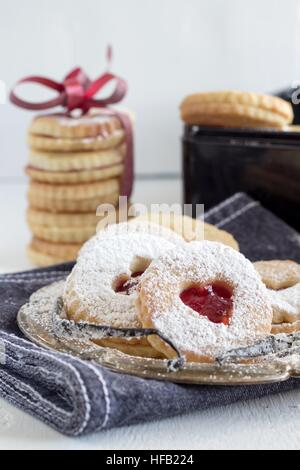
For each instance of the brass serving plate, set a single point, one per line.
(37, 320)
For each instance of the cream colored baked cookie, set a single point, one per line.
(283, 280)
(79, 161)
(286, 304)
(236, 109)
(78, 167)
(63, 234)
(58, 250)
(191, 229)
(62, 126)
(73, 198)
(102, 286)
(43, 253)
(101, 142)
(69, 206)
(41, 260)
(278, 274)
(74, 177)
(61, 220)
(200, 295)
(73, 192)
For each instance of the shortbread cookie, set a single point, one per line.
(67, 127)
(58, 250)
(236, 109)
(283, 280)
(71, 192)
(41, 260)
(65, 206)
(102, 287)
(73, 198)
(278, 274)
(286, 304)
(43, 253)
(191, 229)
(206, 298)
(101, 142)
(63, 234)
(74, 177)
(79, 161)
(61, 220)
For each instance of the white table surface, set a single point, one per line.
(269, 423)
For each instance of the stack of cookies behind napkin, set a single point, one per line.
(75, 164)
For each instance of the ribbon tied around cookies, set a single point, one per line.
(78, 92)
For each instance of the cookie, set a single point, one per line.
(102, 286)
(68, 206)
(285, 328)
(58, 250)
(278, 274)
(41, 260)
(101, 142)
(286, 304)
(67, 127)
(73, 192)
(201, 296)
(78, 167)
(43, 253)
(79, 161)
(282, 277)
(191, 229)
(63, 234)
(74, 177)
(61, 220)
(236, 109)
(73, 198)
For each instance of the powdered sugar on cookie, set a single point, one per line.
(286, 304)
(278, 274)
(105, 261)
(138, 226)
(203, 263)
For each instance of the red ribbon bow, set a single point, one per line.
(77, 91)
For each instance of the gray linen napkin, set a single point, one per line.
(77, 397)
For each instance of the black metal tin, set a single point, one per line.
(264, 163)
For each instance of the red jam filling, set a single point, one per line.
(128, 286)
(214, 302)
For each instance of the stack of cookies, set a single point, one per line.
(75, 164)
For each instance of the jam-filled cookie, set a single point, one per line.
(207, 298)
(102, 286)
(283, 281)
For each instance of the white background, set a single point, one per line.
(165, 48)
